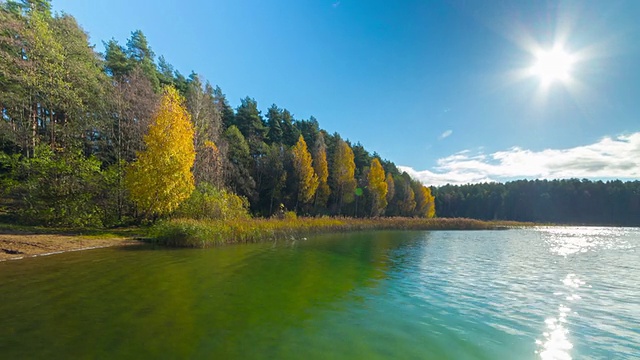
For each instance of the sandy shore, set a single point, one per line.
(17, 246)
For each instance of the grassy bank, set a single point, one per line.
(201, 233)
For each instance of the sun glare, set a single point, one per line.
(553, 65)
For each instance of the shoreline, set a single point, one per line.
(16, 246)
(23, 242)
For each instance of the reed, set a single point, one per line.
(208, 233)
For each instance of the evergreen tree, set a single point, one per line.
(274, 119)
(116, 63)
(225, 110)
(248, 119)
(238, 172)
(290, 133)
(140, 54)
(272, 179)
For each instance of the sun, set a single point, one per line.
(553, 65)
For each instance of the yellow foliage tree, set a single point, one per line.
(307, 180)
(321, 167)
(425, 202)
(391, 188)
(161, 178)
(343, 180)
(377, 186)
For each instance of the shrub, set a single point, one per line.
(58, 188)
(290, 215)
(208, 202)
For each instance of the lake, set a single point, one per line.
(542, 293)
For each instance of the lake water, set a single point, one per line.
(545, 293)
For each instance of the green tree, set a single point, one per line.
(361, 158)
(225, 110)
(248, 119)
(209, 202)
(290, 131)
(274, 120)
(71, 196)
(272, 178)
(238, 167)
(161, 178)
(116, 63)
(140, 54)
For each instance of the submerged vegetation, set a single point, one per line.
(201, 234)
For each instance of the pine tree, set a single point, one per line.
(161, 178)
(238, 167)
(274, 118)
(141, 55)
(307, 180)
(116, 62)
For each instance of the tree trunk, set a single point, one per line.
(34, 129)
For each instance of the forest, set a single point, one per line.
(570, 201)
(121, 137)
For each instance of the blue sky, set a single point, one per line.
(443, 89)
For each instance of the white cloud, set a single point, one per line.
(445, 134)
(609, 158)
(336, 4)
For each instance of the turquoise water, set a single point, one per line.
(546, 293)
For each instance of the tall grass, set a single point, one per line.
(207, 233)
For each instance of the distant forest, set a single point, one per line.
(570, 201)
(75, 125)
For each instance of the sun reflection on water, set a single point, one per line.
(569, 241)
(556, 344)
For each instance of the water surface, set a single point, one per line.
(545, 293)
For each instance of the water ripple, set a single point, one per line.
(572, 291)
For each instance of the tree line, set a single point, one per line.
(106, 139)
(570, 201)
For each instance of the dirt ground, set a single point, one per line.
(17, 246)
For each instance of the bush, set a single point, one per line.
(208, 202)
(58, 188)
(290, 215)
